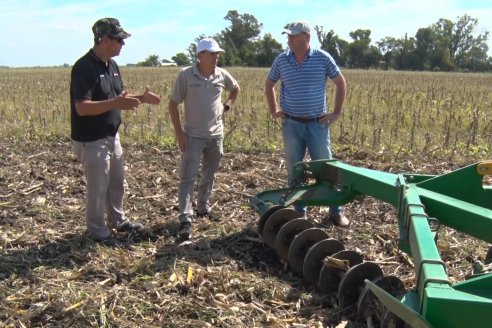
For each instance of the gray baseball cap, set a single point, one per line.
(296, 27)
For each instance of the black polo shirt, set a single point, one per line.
(92, 79)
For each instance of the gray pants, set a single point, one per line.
(102, 161)
(209, 151)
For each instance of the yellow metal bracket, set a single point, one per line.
(485, 168)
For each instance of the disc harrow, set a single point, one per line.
(460, 200)
(324, 263)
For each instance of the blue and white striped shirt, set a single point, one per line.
(303, 86)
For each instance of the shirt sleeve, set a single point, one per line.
(229, 82)
(83, 83)
(332, 69)
(274, 73)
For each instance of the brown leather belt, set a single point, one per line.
(303, 119)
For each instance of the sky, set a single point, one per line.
(57, 32)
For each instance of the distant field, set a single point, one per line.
(53, 275)
(435, 114)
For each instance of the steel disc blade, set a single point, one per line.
(286, 235)
(275, 222)
(330, 276)
(352, 282)
(264, 217)
(314, 258)
(369, 305)
(300, 246)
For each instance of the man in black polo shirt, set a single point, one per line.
(97, 97)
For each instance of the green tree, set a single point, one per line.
(442, 46)
(441, 59)
(477, 60)
(406, 58)
(267, 49)
(181, 59)
(332, 44)
(425, 46)
(152, 60)
(360, 53)
(390, 48)
(456, 45)
(465, 48)
(371, 57)
(238, 38)
(398, 53)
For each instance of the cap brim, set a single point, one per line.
(289, 32)
(210, 50)
(122, 35)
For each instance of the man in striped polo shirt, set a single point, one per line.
(303, 73)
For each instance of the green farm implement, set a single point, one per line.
(460, 200)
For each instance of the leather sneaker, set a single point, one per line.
(210, 215)
(184, 231)
(130, 226)
(108, 241)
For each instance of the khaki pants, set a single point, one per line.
(209, 151)
(102, 161)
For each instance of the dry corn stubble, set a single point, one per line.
(52, 275)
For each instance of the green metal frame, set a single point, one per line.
(457, 199)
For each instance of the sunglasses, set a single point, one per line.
(119, 40)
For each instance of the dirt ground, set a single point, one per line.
(52, 275)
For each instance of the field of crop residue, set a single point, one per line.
(52, 275)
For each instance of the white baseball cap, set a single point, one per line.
(296, 27)
(208, 44)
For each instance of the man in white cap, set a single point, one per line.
(303, 73)
(200, 88)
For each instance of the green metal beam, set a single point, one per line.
(461, 215)
(465, 184)
(479, 286)
(381, 185)
(428, 264)
(446, 307)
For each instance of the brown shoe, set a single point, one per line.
(340, 220)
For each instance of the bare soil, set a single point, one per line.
(52, 275)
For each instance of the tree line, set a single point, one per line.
(442, 46)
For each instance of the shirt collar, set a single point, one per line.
(197, 72)
(99, 60)
(290, 53)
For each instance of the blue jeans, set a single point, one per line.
(102, 161)
(315, 137)
(209, 151)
